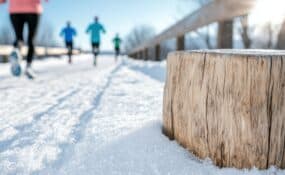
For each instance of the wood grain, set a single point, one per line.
(228, 106)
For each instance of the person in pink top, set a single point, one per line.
(25, 12)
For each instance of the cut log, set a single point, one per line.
(228, 105)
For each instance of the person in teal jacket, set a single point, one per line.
(95, 29)
(117, 46)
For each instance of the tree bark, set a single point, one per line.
(228, 106)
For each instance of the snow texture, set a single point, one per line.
(84, 120)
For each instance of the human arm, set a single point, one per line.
(103, 29)
(88, 29)
(74, 32)
(62, 32)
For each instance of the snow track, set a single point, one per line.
(39, 117)
(84, 120)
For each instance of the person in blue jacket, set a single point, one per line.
(95, 29)
(68, 33)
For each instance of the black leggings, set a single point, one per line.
(69, 46)
(18, 22)
(95, 48)
(117, 51)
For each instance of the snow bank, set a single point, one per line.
(155, 70)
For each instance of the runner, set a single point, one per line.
(117, 43)
(95, 29)
(68, 33)
(24, 12)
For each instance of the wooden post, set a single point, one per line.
(157, 52)
(180, 43)
(136, 55)
(225, 35)
(141, 55)
(5, 59)
(228, 106)
(146, 54)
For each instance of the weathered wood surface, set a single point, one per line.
(228, 106)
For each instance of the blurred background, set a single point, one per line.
(262, 27)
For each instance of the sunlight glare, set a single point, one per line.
(265, 11)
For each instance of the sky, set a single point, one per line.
(118, 16)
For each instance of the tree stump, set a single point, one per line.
(228, 105)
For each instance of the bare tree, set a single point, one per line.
(6, 35)
(204, 34)
(137, 36)
(266, 36)
(46, 36)
(6, 32)
(195, 42)
(270, 32)
(244, 31)
(165, 48)
(281, 37)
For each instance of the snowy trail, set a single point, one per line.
(119, 112)
(81, 120)
(37, 117)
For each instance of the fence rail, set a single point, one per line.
(40, 51)
(221, 11)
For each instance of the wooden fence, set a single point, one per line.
(40, 52)
(221, 11)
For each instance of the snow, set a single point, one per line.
(244, 52)
(84, 120)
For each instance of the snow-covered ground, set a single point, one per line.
(81, 120)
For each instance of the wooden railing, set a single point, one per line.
(221, 11)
